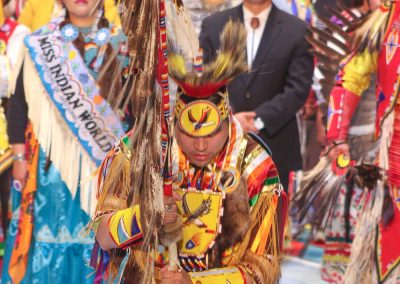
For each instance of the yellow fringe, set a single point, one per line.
(116, 183)
(258, 213)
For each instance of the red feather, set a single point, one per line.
(201, 91)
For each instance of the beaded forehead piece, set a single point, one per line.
(196, 114)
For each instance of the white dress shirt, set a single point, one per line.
(254, 35)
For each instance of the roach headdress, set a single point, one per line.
(196, 114)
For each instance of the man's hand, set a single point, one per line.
(171, 210)
(246, 120)
(174, 277)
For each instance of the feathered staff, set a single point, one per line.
(146, 93)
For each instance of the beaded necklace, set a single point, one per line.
(95, 41)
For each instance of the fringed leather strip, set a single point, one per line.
(263, 270)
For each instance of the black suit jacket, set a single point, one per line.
(278, 84)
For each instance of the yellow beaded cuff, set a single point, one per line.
(124, 226)
(231, 275)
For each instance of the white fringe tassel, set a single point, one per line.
(361, 266)
(55, 137)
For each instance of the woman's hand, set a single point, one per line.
(20, 166)
(174, 277)
(20, 172)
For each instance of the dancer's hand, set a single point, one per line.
(171, 210)
(174, 277)
(335, 151)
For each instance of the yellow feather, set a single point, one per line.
(176, 65)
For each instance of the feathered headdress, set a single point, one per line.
(371, 33)
(204, 81)
(197, 115)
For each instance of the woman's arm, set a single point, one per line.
(17, 118)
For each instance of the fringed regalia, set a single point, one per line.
(373, 256)
(232, 210)
(228, 211)
(72, 128)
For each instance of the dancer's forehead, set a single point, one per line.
(201, 117)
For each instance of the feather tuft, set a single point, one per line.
(177, 66)
(371, 33)
(231, 59)
(230, 62)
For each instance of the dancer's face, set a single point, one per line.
(202, 150)
(82, 8)
(374, 4)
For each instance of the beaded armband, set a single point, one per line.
(343, 104)
(335, 113)
(124, 226)
(231, 275)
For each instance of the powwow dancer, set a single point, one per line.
(373, 257)
(327, 183)
(223, 210)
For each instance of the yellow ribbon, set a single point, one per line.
(261, 238)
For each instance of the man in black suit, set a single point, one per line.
(267, 98)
